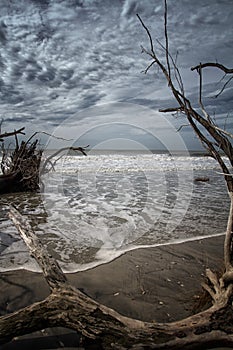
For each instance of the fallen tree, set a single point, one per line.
(23, 165)
(21, 168)
(69, 307)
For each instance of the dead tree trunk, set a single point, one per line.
(69, 307)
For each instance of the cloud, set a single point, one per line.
(59, 57)
(3, 33)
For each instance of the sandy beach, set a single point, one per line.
(160, 284)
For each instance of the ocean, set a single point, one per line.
(93, 209)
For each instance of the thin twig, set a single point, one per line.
(223, 88)
(182, 126)
(148, 33)
(207, 116)
(166, 40)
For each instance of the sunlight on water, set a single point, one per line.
(94, 210)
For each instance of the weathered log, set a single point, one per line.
(68, 307)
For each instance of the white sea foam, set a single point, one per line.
(96, 208)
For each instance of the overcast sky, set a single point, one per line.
(74, 67)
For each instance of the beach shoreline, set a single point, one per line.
(159, 284)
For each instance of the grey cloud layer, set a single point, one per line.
(57, 57)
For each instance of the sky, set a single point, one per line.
(74, 69)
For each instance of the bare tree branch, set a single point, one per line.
(48, 159)
(223, 88)
(172, 109)
(215, 65)
(147, 68)
(186, 106)
(224, 131)
(12, 133)
(166, 41)
(182, 126)
(207, 116)
(176, 70)
(48, 134)
(149, 35)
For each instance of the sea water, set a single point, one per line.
(92, 209)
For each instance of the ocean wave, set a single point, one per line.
(96, 208)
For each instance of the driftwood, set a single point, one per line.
(20, 168)
(23, 166)
(68, 307)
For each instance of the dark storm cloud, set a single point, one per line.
(90, 100)
(3, 33)
(60, 56)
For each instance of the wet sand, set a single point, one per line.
(155, 284)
